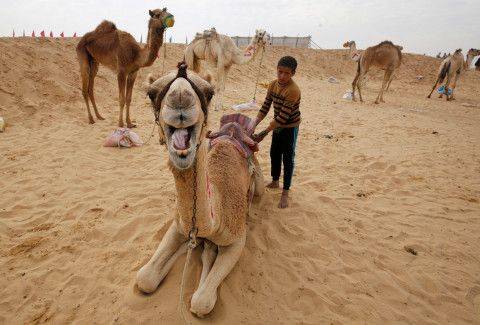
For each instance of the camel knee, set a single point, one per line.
(203, 302)
(147, 279)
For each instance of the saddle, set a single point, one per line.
(233, 129)
(207, 34)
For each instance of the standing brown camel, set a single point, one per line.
(118, 51)
(386, 56)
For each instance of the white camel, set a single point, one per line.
(221, 52)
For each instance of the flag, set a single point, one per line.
(75, 34)
(51, 34)
(33, 33)
(13, 33)
(61, 34)
(24, 33)
(42, 33)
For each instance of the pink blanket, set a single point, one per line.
(123, 137)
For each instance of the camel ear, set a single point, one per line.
(151, 13)
(152, 94)
(209, 92)
(164, 9)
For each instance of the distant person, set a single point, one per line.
(477, 65)
(285, 96)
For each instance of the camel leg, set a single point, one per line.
(203, 300)
(85, 73)
(130, 82)
(208, 257)
(173, 245)
(434, 87)
(454, 84)
(354, 85)
(390, 81)
(360, 85)
(121, 78)
(386, 77)
(91, 82)
(447, 85)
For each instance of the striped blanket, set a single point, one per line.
(233, 129)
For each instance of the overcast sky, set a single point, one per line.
(420, 26)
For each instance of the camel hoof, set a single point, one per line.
(147, 281)
(100, 117)
(120, 124)
(202, 305)
(428, 96)
(91, 120)
(377, 102)
(131, 125)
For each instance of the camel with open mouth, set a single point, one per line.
(214, 184)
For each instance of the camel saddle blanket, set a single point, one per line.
(233, 129)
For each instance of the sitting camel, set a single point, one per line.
(213, 184)
(451, 68)
(386, 56)
(221, 52)
(118, 51)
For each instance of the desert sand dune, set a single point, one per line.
(384, 223)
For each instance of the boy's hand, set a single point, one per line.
(260, 136)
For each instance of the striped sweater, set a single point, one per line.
(286, 104)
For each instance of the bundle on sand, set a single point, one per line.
(123, 137)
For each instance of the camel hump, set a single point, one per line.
(105, 27)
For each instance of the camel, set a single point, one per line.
(221, 52)
(212, 184)
(118, 51)
(451, 68)
(386, 56)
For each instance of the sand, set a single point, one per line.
(384, 224)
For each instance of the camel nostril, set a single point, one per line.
(182, 118)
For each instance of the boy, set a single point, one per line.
(285, 95)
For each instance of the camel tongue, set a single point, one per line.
(180, 139)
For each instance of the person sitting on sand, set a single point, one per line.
(285, 95)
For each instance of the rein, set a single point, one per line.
(193, 232)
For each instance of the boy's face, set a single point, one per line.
(284, 74)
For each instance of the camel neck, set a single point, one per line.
(154, 42)
(243, 57)
(186, 193)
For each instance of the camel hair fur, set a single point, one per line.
(218, 179)
(118, 51)
(450, 70)
(386, 56)
(220, 52)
